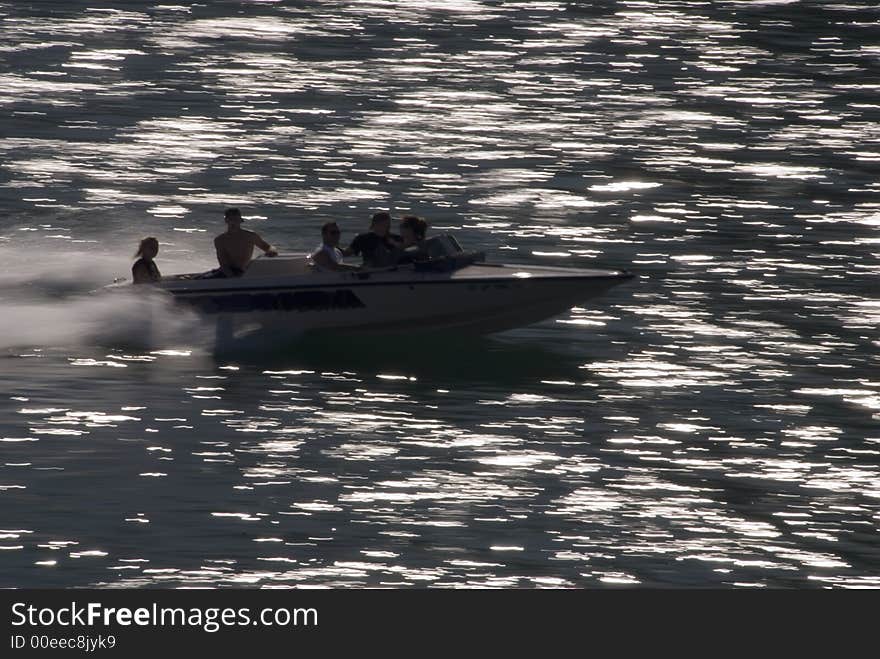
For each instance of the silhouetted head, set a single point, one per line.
(412, 229)
(148, 248)
(233, 216)
(330, 234)
(380, 223)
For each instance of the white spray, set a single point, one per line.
(58, 300)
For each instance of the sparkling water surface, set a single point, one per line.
(711, 423)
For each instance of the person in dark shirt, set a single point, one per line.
(145, 270)
(378, 247)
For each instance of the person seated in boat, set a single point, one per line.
(412, 233)
(145, 270)
(378, 247)
(328, 257)
(235, 247)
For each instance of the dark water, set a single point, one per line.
(712, 423)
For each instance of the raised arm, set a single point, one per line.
(263, 245)
(354, 248)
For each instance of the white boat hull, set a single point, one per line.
(480, 298)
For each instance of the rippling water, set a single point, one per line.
(713, 423)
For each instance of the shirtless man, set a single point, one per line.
(235, 248)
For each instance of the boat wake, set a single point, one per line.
(59, 303)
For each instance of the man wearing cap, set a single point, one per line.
(378, 247)
(235, 247)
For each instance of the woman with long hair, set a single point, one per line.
(144, 270)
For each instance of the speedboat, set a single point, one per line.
(448, 290)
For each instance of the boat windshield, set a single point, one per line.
(442, 245)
